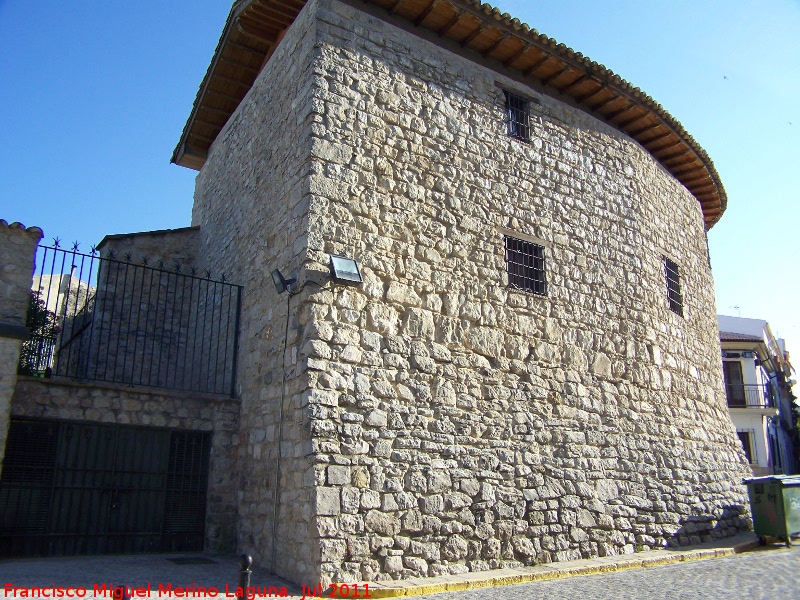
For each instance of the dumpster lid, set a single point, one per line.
(787, 480)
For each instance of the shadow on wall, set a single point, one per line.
(699, 529)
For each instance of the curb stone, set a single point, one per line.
(546, 572)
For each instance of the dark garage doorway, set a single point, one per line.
(96, 488)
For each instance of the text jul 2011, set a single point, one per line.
(341, 590)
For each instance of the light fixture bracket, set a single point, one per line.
(281, 283)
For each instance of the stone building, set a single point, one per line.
(529, 371)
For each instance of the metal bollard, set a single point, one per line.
(245, 562)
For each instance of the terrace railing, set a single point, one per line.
(99, 318)
(749, 395)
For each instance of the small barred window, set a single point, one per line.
(673, 286)
(525, 266)
(517, 116)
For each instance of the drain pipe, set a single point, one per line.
(276, 495)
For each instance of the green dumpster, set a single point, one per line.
(775, 504)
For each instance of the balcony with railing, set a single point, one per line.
(749, 395)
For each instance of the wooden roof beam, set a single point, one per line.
(683, 151)
(395, 6)
(556, 75)
(679, 161)
(222, 113)
(419, 20)
(645, 129)
(278, 8)
(452, 23)
(497, 44)
(590, 95)
(238, 65)
(481, 28)
(633, 120)
(578, 81)
(672, 144)
(267, 35)
(246, 48)
(232, 81)
(658, 137)
(701, 189)
(703, 177)
(535, 67)
(203, 138)
(518, 55)
(620, 111)
(235, 99)
(607, 102)
(263, 16)
(678, 171)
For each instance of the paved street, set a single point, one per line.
(772, 572)
(765, 573)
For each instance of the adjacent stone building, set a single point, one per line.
(529, 371)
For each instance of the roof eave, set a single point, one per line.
(554, 67)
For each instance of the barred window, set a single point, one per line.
(517, 116)
(525, 266)
(673, 286)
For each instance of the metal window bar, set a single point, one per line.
(525, 266)
(673, 286)
(518, 122)
(100, 319)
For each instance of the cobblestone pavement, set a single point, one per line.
(765, 573)
(772, 572)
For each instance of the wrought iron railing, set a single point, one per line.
(749, 395)
(101, 319)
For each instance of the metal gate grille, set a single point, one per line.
(90, 488)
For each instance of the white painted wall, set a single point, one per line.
(745, 420)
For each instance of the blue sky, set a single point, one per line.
(95, 94)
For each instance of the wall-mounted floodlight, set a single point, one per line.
(345, 270)
(281, 283)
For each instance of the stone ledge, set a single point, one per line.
(14, 332)
(592, 566)
(150, 391)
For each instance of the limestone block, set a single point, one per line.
(418, 323)
(338, 475)
(380, 523)
(327, 501)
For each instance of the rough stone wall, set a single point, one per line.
(75, 401)
(172, 246)
(17, 252)
(462, 425)
(251, 203)
(143, 320)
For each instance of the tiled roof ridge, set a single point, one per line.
(606, 74)
(738, 337)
